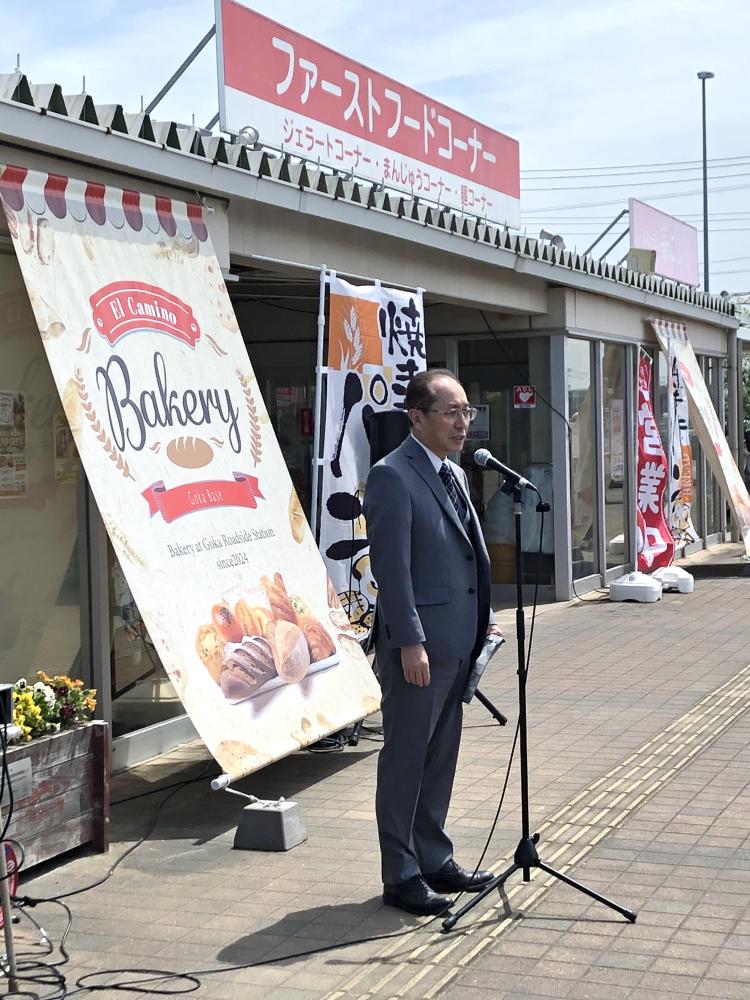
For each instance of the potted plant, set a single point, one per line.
(59, 771)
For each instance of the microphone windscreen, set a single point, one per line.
(482, 456)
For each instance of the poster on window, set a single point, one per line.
(655, 544)
(706, 423)
(12, 444)
(66, 456)
(376, 344)
(167, 417)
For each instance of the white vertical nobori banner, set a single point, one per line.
(376, 344)
(707, 425)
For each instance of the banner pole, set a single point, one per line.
(318, 404)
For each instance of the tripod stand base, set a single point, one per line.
(526, 858)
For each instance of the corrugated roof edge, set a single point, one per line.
(285, 169)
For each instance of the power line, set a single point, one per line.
(658, 197)
(696, 216)
(628, 183)
(562, 171)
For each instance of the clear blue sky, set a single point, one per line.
(590, 83)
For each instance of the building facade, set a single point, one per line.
(545, 341)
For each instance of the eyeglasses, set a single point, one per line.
(468, 413)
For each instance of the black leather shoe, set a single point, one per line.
(415, 896)
(453, 878)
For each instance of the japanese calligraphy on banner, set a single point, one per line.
(673, 336)
(376, 344)
(324, 107)
(188, 476)
(655, 544)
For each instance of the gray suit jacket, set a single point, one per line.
(433, 576)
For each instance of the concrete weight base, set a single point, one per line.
(269, 826)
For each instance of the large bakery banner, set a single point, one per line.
(673, 338)
(376, 344)
(174, 436)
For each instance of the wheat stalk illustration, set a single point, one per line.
(217, 347)
(121, 539)
(256, 441)
(354, 336)
(85, 341)
(90, 413)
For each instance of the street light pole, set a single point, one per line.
(703, 76)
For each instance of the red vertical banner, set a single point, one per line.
(655, 542)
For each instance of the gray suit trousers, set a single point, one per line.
(417, 764)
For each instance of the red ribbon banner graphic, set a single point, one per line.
(124, 306)
(243, 491)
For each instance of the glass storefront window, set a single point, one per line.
(519, 435)
(142, 693)
(582, 455)
(286, 377)
(42, 505)
(615, 492)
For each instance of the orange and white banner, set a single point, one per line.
(376, 344)
(673, 337)
(175, 439)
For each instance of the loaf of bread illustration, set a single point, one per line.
(320, 643)
(291, 653)
(281, 604)
(246, 668)
(253, 618)
(189, 452)
(210, 646)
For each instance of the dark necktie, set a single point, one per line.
(452, 490)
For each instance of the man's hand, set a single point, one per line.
(494, 629)
(415, 664)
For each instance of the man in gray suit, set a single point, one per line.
(433, 574)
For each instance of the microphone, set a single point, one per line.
(487, 460)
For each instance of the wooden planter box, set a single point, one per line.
(61, 791)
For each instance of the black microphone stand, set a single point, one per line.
(526, 856)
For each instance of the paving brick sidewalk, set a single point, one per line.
(639, 785)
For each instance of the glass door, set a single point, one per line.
(615, 457)
(583, 459)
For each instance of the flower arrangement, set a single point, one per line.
(50, 704)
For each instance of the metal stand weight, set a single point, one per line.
(526, 856)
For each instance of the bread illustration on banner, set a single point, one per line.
(290, 651)
(253, 618)
(189, 452)
(297, 521)
(210, 646)
(246, 668)
(227, 625)
(320, 643)
(279, 599)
